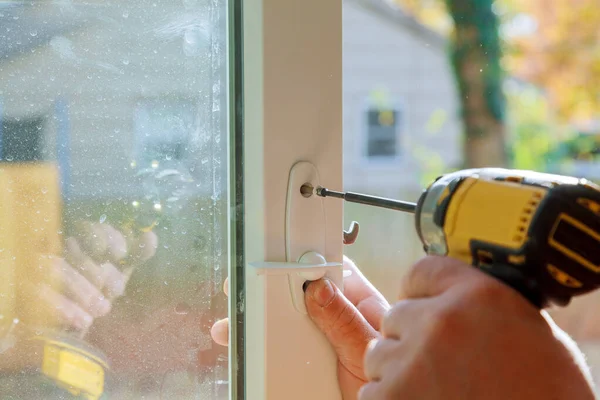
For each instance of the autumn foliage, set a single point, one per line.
(559, 53)
(562, 55)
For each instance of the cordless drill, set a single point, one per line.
(539, 233)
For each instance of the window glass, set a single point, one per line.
(113, 199)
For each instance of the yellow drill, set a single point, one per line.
(539, 233)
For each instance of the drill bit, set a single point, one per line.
(375, 201)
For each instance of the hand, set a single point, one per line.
(73, 290)
(349, 320)
(457, 333)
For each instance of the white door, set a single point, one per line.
(292, 133)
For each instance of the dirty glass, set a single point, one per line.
(113, 199)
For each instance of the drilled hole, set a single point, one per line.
(307, 190)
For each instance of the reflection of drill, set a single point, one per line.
(539, 233)
(31, 232)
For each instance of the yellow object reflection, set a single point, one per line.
(30, 226)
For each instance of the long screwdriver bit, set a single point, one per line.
(375, 201)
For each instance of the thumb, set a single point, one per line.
(344, 326)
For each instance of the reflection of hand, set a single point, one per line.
(349, 320)
(457, 333)
(82, 285)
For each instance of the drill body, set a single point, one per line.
(539, 233)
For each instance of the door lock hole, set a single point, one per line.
(307, 190)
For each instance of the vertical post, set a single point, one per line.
(292, 112)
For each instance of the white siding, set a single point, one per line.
(379, 52)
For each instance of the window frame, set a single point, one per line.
(267, 36)
(398, 105)
(236, 199)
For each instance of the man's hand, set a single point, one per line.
(349, 320)
(82, 285)
(457, 333)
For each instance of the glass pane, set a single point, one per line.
(113, 199)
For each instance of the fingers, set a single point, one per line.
(141, 249)
(62, 310)
(346, 329)
(102, 242)
(373, 310)
(76, 257)
(105, 277)
(433, 275)
(115, 281)
(220, 332)
(356, 287)
(373, 390)
(360, 292)
(77, 287)
(116, 247)
(144, 248)
(109, 247)
(380, 353)
(400, 316)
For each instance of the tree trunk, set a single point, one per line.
(476, 61)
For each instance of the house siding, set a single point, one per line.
(380, 51)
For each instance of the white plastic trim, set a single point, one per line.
(305, 223)
(299, 362)
(292, 113)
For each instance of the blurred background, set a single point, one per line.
(432, 86)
